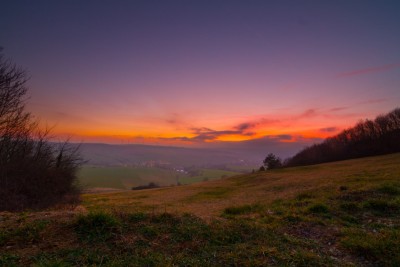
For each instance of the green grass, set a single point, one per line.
(319, 208)
(9, 260)
(128, 177)
(184, 240)
(96, 227)
(337, 214)
(245, 209)
(214, 193)
(207, 175)
(25, 232)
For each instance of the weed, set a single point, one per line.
(3, 237)
(292, 219)
(245, 209)
(9, 260)
(137, 217)
(350, 219)
(148, 231)
(31, 232)
(278, 188)
(303, 196)
(98, 227)
(72, 257)
(319, 208)
(51, 263)
(216, 193)
(190, 228)
(164, 218)
(343, 188)
(381, 207)
(382, 247)
(390, 189)
(349, 207)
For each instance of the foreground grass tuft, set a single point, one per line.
(382, 247)
(96, 227)
(245, 209)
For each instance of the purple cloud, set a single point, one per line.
(368, 70)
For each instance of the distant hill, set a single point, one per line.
(116, 155)
(249, 152)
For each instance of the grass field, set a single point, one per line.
(127, 177)
(338, 214)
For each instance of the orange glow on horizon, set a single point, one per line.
(185, 130)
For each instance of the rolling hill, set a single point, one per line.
(343, 213)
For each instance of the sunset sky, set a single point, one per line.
(194, 73)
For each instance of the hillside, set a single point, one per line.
(210, 198)
(337, 214)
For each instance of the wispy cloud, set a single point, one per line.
(308, 113)
(206, 134)
(335, 109)
(329, 129)
(248, 125)
(368, 70)
(373, 101)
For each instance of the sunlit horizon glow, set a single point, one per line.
(199, 73)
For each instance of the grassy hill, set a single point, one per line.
(338, 214)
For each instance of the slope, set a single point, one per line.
(338, 214)
(210, 198)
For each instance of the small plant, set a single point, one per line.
(31, 232)
(245, 209)
(137, 217)
(303, 196)
(8, 260)
(349, 206)
(382, 247)
(98, 227)
(381, 206)
(292, 219)
(319, 208)
(389, 189)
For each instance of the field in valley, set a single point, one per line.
(337, 214)
(119, 177)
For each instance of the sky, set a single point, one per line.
(204, 73)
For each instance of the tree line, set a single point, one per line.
(367, 138)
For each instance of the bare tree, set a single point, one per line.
(34, 173)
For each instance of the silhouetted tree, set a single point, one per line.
(34, 173)
(272, 162)
(366, 138)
